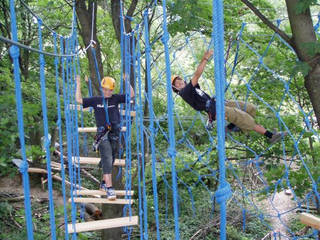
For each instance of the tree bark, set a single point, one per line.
(302, 33)
(88, 28)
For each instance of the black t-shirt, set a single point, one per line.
(194, 96)
(112, 104)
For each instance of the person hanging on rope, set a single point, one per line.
(240, 115)
(107, 138)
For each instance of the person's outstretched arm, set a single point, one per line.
(78, 91)
(197, 74)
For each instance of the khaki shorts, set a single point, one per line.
(241, 114)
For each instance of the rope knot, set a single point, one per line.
(223, 193)
(14, 51)
(165, 38)
(39, 21)
(172, 152)
(148, 49)
(129, 18)
(24, 167)
(93, 43)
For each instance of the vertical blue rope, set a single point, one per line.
(67, 124)
(223, 192)
(172, 147)
(151, 127)
(46, 133)
(76, 66)
(14, 52)
(56, 61)
(93, 51)
(141, 133)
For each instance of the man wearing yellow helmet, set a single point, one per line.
(107, 131)
(238, 114)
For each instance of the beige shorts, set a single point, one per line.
(241, 114)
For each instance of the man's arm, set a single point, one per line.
(78, 91)
(197, 74)
(131, 92)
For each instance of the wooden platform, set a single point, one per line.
(102, 200)
(310, 220)
(94, 129)
(79, 108)
(95, 161)
(100, 192)
(103, 224)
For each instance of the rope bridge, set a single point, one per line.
(179, 162)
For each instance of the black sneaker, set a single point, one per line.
(277, 136)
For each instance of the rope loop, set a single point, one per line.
(223, 193)
(165, 38)
(172, 152)
(14, 51)
(24, 167)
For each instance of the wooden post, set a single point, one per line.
(310, 220)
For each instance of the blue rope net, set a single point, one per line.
(260, 174)
(179, 161)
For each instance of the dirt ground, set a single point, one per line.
(279, 207)
(14, 185)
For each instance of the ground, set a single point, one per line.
(280, 203)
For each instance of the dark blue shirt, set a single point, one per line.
(112, 104)
(194, 96)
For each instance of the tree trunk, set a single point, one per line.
(302, 33)
(84, 14)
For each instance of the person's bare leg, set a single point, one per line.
(259, 129)
(107, 179)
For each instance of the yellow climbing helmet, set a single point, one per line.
(108, 82)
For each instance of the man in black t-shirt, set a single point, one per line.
(238, 114)
(106, 107)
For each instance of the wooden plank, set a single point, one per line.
(100, 192)
(94, 129)
(102, 200)
(310, 220)
(95, 161)
(103, 224)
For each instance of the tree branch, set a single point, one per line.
(282, 34)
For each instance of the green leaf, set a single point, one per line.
(303, 5)
(301, 67)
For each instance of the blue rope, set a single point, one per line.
(224, 191)
(151, 127)
(172, 147)
(56, 61)
(46, 133)
(14, 53)
(93, 52)
(143, 214)
(68, 134)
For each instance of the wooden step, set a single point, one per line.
(79, 108)
(102, 200)
(95, 161)
(94, 129)
(310, 220)
(103, 224)
(100, 192)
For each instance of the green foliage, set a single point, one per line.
(311, 48)
(304, 5)
(196, 15)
